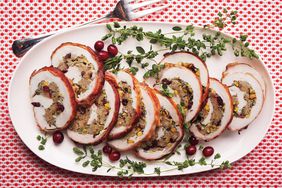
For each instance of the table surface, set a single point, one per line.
(261, 20)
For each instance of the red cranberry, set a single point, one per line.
(124, 102)
(112, 49)
(60, 107)
(103, 55)
(46, 89)
(114, 155)
(81, 109)
(36, 104)
(166, 81)
(107, 149)
(58, 137)
(208, 151)
(99, 45)
(191, 150)
(193, 141)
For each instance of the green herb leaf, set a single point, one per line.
(217, 156)
(79, 159)
(225, 164)
(153, 41)
(38, 137)
(192, 162)
(77, 151)
(140, 50)
(41, 147)
(116, 25)
(109, 169)
(168, 163)
(86, 163)
(109, 27)
(177, 28)
(243, 38)
(219, 14)
(43, 141)
(133, 70)
(202, 161)
(157, 170)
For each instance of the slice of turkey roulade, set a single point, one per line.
(53, 99)
(247, 94)
(183, 86)
(215, 115)
(168, 133)
(244, 68)
(146, 124)
(93, 124)
(129, 91)
(83, 69)
(192, 62)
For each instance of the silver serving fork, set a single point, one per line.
(124, 10)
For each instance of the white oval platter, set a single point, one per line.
(230, 145)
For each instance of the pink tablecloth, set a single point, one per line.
(19, 167)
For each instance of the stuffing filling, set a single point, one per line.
(85, 68)
(139, 127)
(50, 90)
(81, 123)
(181, 89)
(249, 96)
(191, 66)
(166, 134)
(216, 114)
(128, 112)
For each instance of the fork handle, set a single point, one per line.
(20, 47)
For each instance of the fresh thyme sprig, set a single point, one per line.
(205, 47)
(138, 58)
(128, 167)
(42, 140)
(224, 19)
(242, 48)
(132, 167)
(202, 161)
(94, 159)
(154, 71)
(129, 57)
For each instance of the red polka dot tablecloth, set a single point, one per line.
(261, 20)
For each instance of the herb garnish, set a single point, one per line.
(224, 19)
(128, 167)
(154, 71)
(42, 140)
(204, 47)
(202, 161)
(93, 159)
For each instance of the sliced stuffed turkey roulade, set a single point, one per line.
(183, 86)
(244, 68)
(129, 92)
(52, 98)
(83, 69)
(93, 124)
(247, 94)
(168, 133)
(194, 63)
(215, 115)
(145, 127)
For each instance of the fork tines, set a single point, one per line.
(130, 7)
